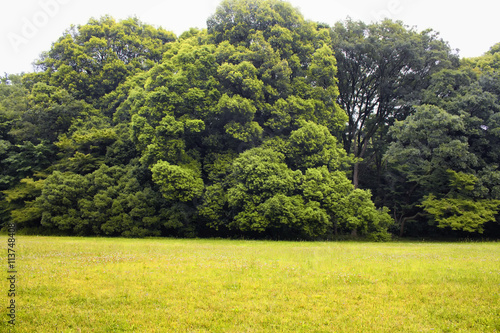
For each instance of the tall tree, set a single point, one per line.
(91, 60)
(383, 67)
(451, 141)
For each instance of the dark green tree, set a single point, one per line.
(443, 144)
(383, 68)
(109, 201)
(262, 194)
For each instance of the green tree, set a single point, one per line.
(234, 21)
(87, 143)
(459, 209)
(50, 112)
(312, 146)
(91, 60)
(177, 183)
(427, 144)
(59, 202)
(262, 196)
(456, 135)
(110, 201)
(383, 68)
(349, 209)
(13, 103)
(19, 202)
(23, 160)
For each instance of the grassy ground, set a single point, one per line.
(166, 285)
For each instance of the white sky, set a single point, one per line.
(29, 27)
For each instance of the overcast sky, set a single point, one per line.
(29, 27)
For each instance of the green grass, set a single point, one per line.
(168, 285)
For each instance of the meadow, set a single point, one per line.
(69, 284)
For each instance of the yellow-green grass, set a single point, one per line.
(170, 285)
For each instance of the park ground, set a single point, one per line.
(69, 284)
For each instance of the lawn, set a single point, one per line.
(170, 285)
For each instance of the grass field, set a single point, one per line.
(169, 285)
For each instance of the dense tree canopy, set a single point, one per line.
(263, 125)
(450, 141)
(90, 61)
(383, 68)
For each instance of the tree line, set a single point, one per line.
(263, 125)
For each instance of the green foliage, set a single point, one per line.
(23, 160)
(383, 69)
(91, 60)
(350, 209)
(306, 220)
(50, 113)
(254, 177)
(447, 151)
(119, 205)
(262, 194)
(312, 146)
(176, 182)
(234, 21)
(359, 213)
(109, 201)
(427, 144)
(59, 202)
(20, 199)
(263, 125)
(461, 213)
(13, 101)
(459, 210)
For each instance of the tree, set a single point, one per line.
(59, 203)
(383, 68)
(50, 112)
(19, 202)
(348, 209)
(459, 209)
(23, 160)
(427, 143)
(91, 60)
(292, 59)
(454, 138)
(177, 183)
(85, 146)
(207, 104)
(234, 21)
(262, 193)
(312, 146)
(109, 201)
(13, 102)
(260, 180)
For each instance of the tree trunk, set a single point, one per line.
(355, 175)
(359, 157)
(402, 227)
(403, 220)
